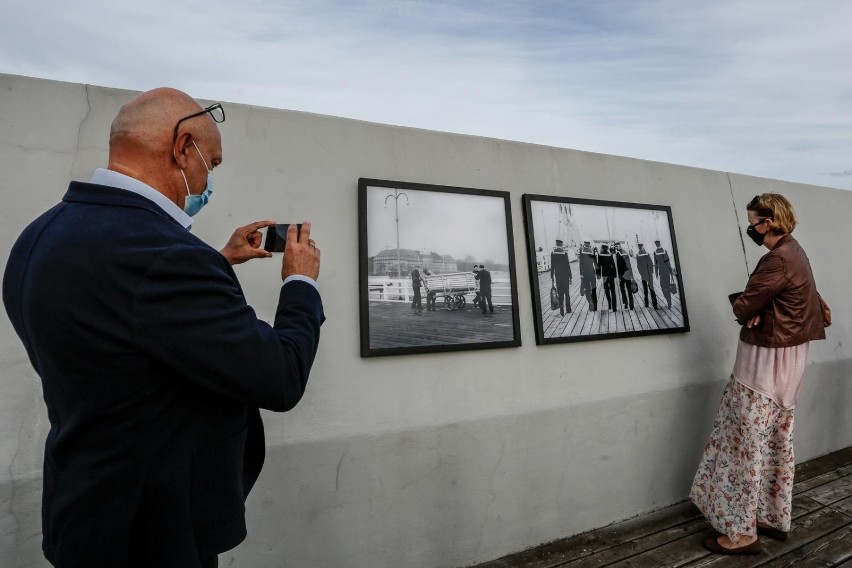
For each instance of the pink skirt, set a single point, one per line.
(777, 372)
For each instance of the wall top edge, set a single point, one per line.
(414, 129)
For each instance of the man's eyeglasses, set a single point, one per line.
(217, 113)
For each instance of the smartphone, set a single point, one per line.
(276, 236)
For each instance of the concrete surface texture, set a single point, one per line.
(442, 459)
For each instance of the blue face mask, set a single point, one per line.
(192, 204)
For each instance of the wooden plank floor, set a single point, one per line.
(821, 534)
(395, 324)
(582, 321)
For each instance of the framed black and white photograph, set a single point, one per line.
(437, 269)
(602, 269)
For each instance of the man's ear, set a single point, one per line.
(180, 149)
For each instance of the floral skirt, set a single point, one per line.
(746, 473)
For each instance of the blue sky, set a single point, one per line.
(756, 87)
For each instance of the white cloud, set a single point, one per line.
(753, 87)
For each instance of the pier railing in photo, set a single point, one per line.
(389, 289)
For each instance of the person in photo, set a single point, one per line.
(484, 279)
(664, 272)
(645, 266)
(417, 301)
(608, 272)
(589, 275)
(560, 275)
(625, 276)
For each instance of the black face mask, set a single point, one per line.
(754, 235)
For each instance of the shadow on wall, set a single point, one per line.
(468, 492)
(825, 404)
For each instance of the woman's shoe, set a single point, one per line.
(777, 534)
(711, 543)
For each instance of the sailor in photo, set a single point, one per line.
(589, 275)
(607, 271)
(625, 276)
(645, 266)
(560, 275)
(664, 271)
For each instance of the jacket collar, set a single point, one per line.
(81, 192)
(786, 239)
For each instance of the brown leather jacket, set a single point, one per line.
(783, 292)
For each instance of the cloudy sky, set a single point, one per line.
(629, 225)
(459, 225)
(760, 87)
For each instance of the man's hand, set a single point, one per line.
(301, 255)
(244, 244)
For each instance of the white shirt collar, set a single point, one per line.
(114, 179)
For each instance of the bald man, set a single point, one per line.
(153, 365)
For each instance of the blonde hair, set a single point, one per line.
(776, 207)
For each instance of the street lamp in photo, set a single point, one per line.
(396, 195)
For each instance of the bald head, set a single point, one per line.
(150, 118)
(142, 143)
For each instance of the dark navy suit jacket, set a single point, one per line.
(153, 368)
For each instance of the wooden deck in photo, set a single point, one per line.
(671, 538)
(395, 324)
(582, 321)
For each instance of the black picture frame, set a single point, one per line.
(442, 232)
(588, 230)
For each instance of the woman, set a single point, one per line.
(744, 485)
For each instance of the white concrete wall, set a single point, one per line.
(443, 459)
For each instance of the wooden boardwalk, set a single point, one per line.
(582, 321)
(821, 534)
(395, 324)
